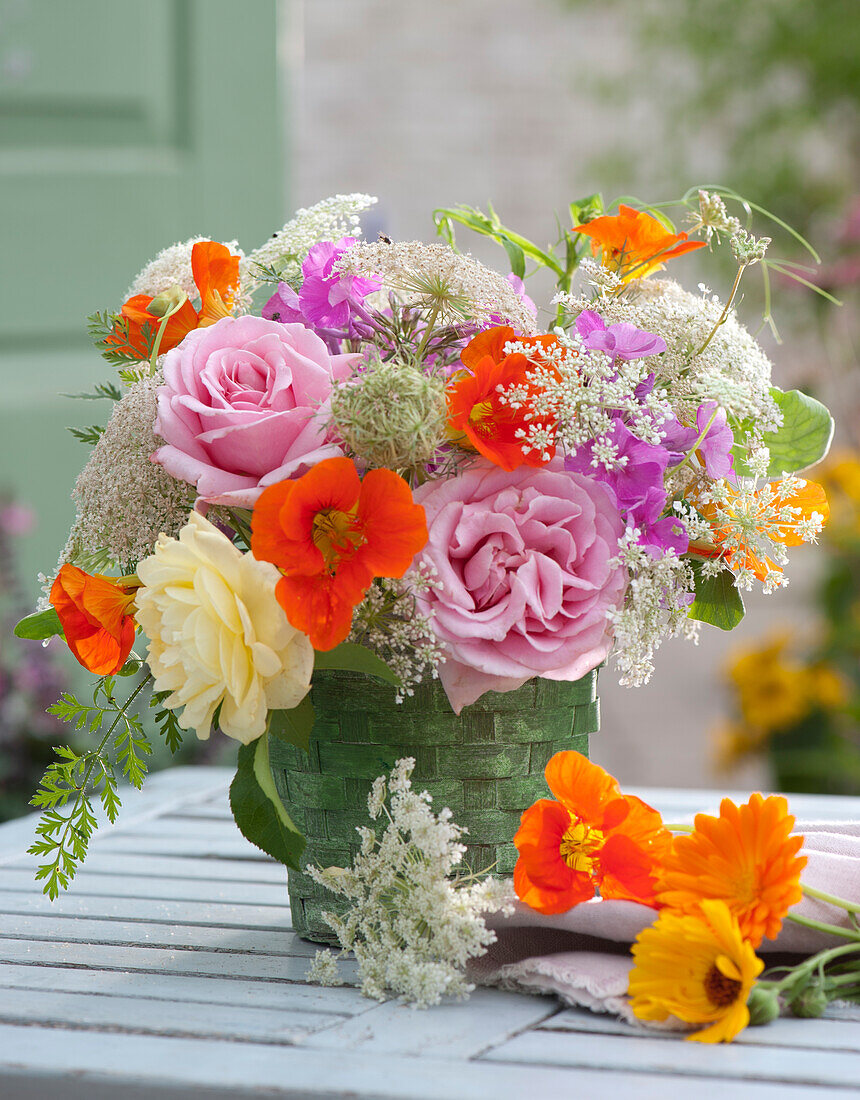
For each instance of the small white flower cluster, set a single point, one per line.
(571, 396)
(603, 279)
(731, 369)
(712, 218)
(389, 622)
(125, 499)
(411, 925)
(435, 277)
(329, 220)
(658, 599)
(755, 521)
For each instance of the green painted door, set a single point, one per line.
(124, 126)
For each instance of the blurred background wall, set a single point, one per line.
(124, 127)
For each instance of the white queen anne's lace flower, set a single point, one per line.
(411, 926)
(217, 635)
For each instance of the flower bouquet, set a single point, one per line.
(397, 494)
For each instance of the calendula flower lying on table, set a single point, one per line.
(719, 891)
(411, 925)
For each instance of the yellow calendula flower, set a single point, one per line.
(698, 968)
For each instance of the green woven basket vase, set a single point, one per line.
(486, 764)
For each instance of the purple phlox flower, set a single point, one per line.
(284, 306)
(329, 298)
(716, 447)
(644, 387)
(639, 466)
(657, 534)
(329, 302)
(618, 341)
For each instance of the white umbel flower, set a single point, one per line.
(172, 267)
(217, 635)
(411, 922)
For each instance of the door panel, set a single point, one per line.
(124, 126)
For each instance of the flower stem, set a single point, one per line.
(822, 926)
(722, 318)
(831, 899)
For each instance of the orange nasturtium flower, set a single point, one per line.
(97, 617)
(330, 534)
(744, 519)
(593, 836)
(746, 858)
(477, 417)
(216, 275)
(633, 244)
(698, 968)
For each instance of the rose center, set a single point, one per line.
(720, 989)
(335, 534)
(580, 845)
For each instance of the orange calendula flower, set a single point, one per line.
(592, 837)
(477, 416)
(749, 526)
(216, 275)
(330, 534)
(698, 968)
(746, 858)
(96, 614)
(633, 244)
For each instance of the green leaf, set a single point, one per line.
(805, 435)
(39, 625)
(350, 657)
(293, 726)
(718, 602)
(258, 810)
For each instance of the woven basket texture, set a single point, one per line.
(487, 765)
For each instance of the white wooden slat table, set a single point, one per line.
(170, 970)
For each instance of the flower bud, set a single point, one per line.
(168, 301)
(763, 1005)
(810, 1002)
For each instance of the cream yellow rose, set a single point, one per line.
(217, 635)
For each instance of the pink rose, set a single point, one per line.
(239, 408)
(523, 561)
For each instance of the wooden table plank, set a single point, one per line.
(233, 963)
(101, 1066)
(650, 1055)
(453, 1030)
(274, 993)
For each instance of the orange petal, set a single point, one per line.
(626, 871)
(582, 786)
(93, 612)
(216, 272)
(393, 525)
(317, 606)
(548, 900)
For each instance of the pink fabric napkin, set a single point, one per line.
(583, 955)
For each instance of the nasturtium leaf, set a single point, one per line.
(258, 810)
(718, 601)
(39, 625)
(803, 439)
(293, 726)
(350, 657)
